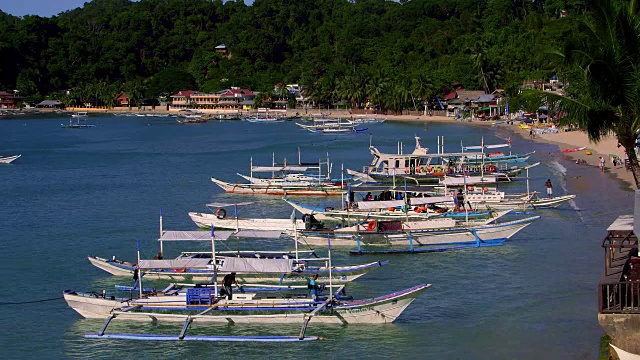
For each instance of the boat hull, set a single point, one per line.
(340, 274)
(8, 159)
(523, 204)
(204, 221)
(480, 236)
(279, 190)
(385, 309)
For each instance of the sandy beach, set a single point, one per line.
(565, 140)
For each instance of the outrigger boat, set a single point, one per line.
(292, 189)
(495, 156)
(78, 121)
(415, 209)
(204, 305)
(301, 183)
(423, 167)
(332, 126)
(191, 116)
(438, 234)
(8, 159)
(218, 217)
(198, 266)
(302, 174)
(368, 119)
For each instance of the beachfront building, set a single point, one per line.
(50, 104)
(181, 100)
(122, 99)
(9, 100)
(460, 102)
(619, 288)
(229, 100)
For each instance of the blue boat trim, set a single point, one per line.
(239, 338)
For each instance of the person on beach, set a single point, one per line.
(531, 134)
(549, 188)
(601, 164)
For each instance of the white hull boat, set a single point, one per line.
(526, 202)
(8, 159)
(295, 276)
(168, 308)
(280, 190)
(204, 221)
(435, 239)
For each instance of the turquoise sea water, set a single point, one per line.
(97, 191)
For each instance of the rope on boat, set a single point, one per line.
(31, 302)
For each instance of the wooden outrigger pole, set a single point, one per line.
(308, 316)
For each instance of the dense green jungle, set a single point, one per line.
(385, 52)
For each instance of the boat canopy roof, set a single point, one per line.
(399, 188)
(283, 168)
(174, 264)
(371, 205)
(252, 265)
(430, 200)
(194, 235)
(480, 147)
(458, 181)
(269, 234)
(221, 205)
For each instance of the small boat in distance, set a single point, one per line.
(190, 116)
(78, 121)
(8, 159)
(80, 114)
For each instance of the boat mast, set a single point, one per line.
(295, 233)
(328, 168)
(213, 260)
(330, 274)
(161, 250)
(342, 186)
(139, 270)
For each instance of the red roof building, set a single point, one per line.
(8, 100)
(122, 99)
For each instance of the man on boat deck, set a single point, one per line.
(459, 201)
(227, 282)
(313, 287)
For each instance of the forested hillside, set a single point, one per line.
(385, 51)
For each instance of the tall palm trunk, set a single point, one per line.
(633, 162)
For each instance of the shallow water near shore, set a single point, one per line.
(97, 191)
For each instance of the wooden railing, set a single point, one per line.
(619, 297)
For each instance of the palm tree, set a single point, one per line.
(135, 90)
(479, 63)
(605, 77)
(375, 87)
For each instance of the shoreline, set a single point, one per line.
(564, 140)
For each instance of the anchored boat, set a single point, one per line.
(8, 159)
